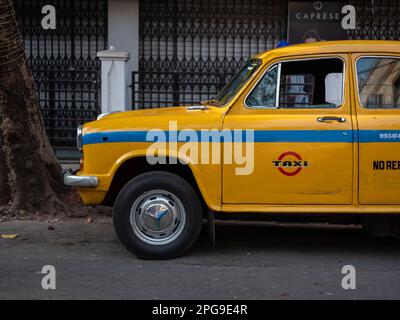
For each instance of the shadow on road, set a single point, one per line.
(261, 237)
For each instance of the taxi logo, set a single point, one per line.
(290, 163)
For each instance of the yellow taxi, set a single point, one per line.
(303, 129)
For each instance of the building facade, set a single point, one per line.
(181, 51)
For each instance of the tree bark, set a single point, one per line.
(33, 172)
(4, 188)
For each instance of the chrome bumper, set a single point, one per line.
(72, 180)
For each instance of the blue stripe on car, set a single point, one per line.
(364, 136)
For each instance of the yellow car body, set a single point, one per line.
(349, 166)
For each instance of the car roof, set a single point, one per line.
(326, 47)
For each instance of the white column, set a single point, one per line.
(114, 84)
(123, 33)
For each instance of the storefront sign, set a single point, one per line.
(319, 21)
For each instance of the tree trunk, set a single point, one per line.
(4, 188)
(33, 172)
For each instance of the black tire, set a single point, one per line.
(177, 186)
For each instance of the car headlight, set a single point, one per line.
(79, 138)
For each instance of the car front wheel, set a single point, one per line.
(157, 215)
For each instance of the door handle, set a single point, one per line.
(330, 119)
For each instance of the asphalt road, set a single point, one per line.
(251, 261)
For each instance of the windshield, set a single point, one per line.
(237, 82)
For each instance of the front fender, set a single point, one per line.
(207, 176)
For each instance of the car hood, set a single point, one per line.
(167, 111)
(159, 118)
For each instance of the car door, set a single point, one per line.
(377, 102)
(299, 110)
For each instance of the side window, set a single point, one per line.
(379, 82)
(316, 83)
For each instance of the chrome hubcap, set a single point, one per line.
(157, 217)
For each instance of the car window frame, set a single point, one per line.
(259, 62)
(389, 56)
(276, 107)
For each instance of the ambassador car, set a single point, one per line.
(304, 129)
